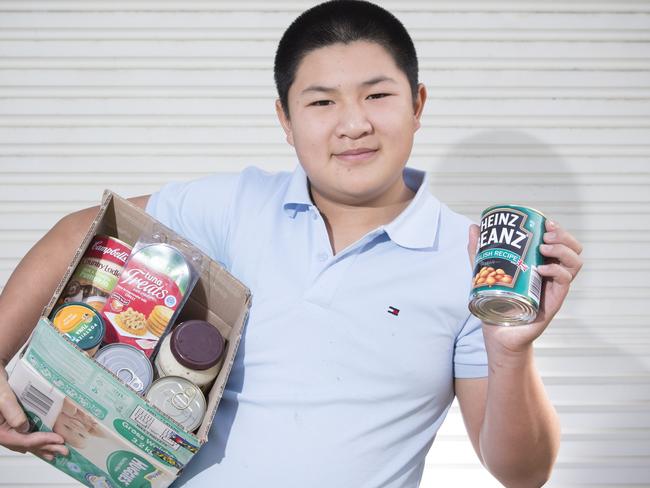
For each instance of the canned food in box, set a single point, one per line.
(80, 323)
(96, 275)
(150, 289)
(129, 364)
(180, 399)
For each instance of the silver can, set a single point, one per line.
(129, 364)
(180, 399)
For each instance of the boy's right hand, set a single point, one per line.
(14, 427)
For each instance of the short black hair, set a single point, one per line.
(342, 21)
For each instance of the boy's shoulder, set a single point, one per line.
(453, 227)
(255, 177)
(251, 183)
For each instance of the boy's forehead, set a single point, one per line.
(342, 64)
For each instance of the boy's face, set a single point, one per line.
(352, 122)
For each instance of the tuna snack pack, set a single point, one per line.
(157, 279)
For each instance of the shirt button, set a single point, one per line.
(322, 256)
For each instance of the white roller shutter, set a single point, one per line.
(544, 103)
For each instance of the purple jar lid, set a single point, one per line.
(196, 344)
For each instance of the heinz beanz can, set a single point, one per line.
(506, 286)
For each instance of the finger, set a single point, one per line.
(56, 449)
(472, 243)
(566, 256)
(556, 272)
(10, 409)
(557, 235)
(45, 455)
(69, 408)
(31, 441)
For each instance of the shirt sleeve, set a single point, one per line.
(470, 357)
(199, 210)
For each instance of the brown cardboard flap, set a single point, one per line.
(216, 392)
(106, 198)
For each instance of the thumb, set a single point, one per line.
(10, 410)
(472, 243)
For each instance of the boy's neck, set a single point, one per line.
(346, 224)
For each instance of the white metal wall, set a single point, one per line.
(545, 103)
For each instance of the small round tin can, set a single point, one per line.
(506, 286)
(80, 323)
(180, 399)
(129, 364)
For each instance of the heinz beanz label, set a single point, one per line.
(149, 290)
(506, 286)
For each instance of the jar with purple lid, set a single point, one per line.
(194, 350)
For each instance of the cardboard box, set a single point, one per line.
(115, 437)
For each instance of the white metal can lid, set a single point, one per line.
(128, 363)
(180, 399)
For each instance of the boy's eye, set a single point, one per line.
(375, 96)
(321, 103)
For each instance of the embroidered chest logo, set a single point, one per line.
(392, 310)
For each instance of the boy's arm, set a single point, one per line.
(512, 425)
(509, 418)
(27, 291)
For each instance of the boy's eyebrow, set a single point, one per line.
(327, 89)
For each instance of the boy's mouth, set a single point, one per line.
(358, 154)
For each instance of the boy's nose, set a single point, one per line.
(353, 123)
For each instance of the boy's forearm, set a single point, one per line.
(520, 435)
(34, 280)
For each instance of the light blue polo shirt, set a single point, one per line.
(345, 371)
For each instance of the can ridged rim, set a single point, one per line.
(128, 352)
(156, 389)
(112, 238)
(518, 310)
(87, 345)
(515, 206)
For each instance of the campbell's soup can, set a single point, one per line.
(96, 274)
(506, 286)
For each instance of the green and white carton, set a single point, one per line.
(116, 439)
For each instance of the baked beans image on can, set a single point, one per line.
(506, 286)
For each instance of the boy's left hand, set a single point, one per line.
(561, 265)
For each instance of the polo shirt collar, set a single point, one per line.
(297, 196)
(415, 228)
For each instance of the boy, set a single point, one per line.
(359, 334)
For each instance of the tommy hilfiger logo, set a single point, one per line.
(393, 310)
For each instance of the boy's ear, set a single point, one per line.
(419, 104)
(285, 122)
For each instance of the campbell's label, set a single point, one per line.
(149, 290)
(97, 273)
(105, 248)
